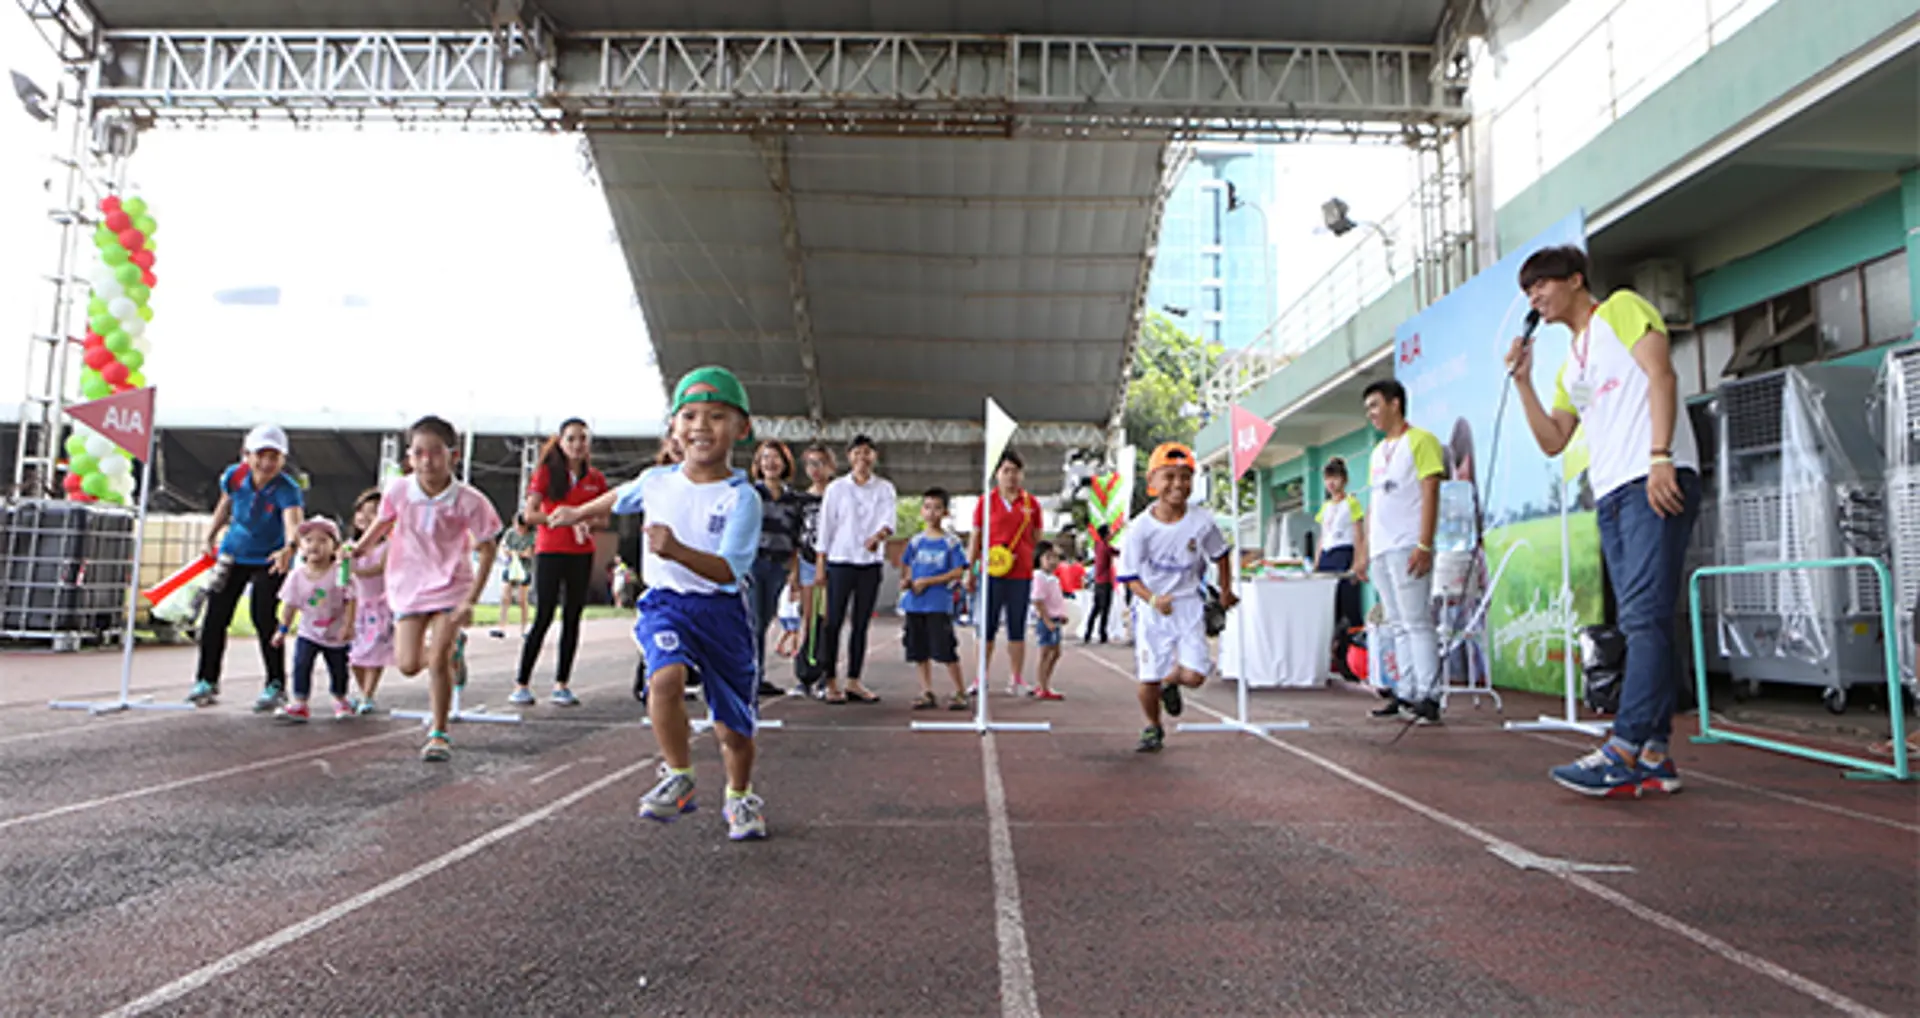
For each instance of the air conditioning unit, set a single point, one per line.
(1663, 282)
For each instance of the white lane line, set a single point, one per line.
(1713, 779)
(198, 779)
(556, 772)
(1500, 846)
(1017, 996)
(267, 945)
(94, 725)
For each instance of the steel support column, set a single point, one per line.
(773, 151)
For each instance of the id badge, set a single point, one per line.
(1581, 394)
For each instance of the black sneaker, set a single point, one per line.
(1170, 698)
(1152, 740)
(1427, 712)
(1390, 709)
(769, 689)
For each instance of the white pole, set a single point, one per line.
(133, 577)
(1240, 629)
(1566, 601)
(982, 624)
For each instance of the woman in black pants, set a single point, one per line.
(774, 568)
(856, 519)
(562, 556)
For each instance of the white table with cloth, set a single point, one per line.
(1288, 627)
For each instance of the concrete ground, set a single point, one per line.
(212, 863)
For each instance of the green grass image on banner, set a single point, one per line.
(1524, 625)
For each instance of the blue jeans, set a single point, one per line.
(1646, 553)
(768, 579)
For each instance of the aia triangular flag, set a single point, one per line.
(1250, 434)
(125, 419)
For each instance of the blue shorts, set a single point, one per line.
(1045, 633)
(712, 635)
(1010, 599)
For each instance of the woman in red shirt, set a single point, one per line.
(562, 556)
(1016, 526)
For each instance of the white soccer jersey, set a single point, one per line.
(719, 517)
(1171, 558)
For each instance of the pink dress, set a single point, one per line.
(429, 554)
(322, 603)
(373, 629)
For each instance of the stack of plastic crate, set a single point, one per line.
(66, 568)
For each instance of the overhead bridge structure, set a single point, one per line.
(878, 214)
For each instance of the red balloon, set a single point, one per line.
(110, 204)
(131, 239)
(84, 497)
(122, 387)
(72, 483)
(144, 259)
(119, 221)
(114, 374)
(95, 341)
(98, 358)
(148, 279)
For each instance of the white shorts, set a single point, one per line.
(1162, 643)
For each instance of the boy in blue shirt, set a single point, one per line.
(932, 564)
(259, 506)
(702, 535)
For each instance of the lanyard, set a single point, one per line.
(1584, 341)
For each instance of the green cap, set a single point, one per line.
(710, 384)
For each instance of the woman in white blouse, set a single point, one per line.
(856, 519)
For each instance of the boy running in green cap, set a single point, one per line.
(702, 532)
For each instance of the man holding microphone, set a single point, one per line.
(1618, 378)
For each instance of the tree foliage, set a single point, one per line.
(1163, 391)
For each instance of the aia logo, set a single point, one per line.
(1410, 350)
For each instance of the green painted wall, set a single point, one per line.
(1910, 222)
(1857, 235)
(1774, 54)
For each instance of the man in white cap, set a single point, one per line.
(259, 506)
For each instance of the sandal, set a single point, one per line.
(838, 699)
(862, 696)
(926, 701)
(439, 748)
(958, 701)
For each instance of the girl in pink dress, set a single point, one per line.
(432, 580)
(373, 630)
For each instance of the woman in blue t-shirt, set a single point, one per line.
(259, 506)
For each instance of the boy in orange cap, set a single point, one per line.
(1163, 557)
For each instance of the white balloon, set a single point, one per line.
(143, 344)
(123, 308)
(98, 447)
(108, 289)
(123, 483)
(100, 274)
(133, 326)
(114, 466)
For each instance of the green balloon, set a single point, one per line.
(97, 485)
(128, 274)
(115, 255)
(119, 342)
(103, 237)
(114, 498)
(150, 245)
(96, 307)
(76, 446)
(139, 293)
(136, 379)
(95, 387)
(134, 207)
(81, 463)
(146, 312)
(104, 323)
(132, 359)
(145, 225)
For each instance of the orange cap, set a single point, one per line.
(1170, 454)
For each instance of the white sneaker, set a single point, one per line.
(745, 822)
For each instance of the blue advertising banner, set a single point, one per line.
(1450, 357)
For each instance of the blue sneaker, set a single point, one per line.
(1603, 774)
(1660, 777)
(204, 694)
(522, 697)
(563, 697)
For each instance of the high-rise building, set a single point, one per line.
(1213, 271)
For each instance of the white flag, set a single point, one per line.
(1000, 429)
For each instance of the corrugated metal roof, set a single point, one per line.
(1410, 22)
(937, 270)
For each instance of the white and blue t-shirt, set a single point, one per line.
(718, 517)
(926, 556)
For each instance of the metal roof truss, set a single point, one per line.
(832, 82)
(929, 432)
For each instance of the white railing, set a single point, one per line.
(1605, 71)
(1636, 47)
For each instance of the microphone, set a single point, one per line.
(1533, 322)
